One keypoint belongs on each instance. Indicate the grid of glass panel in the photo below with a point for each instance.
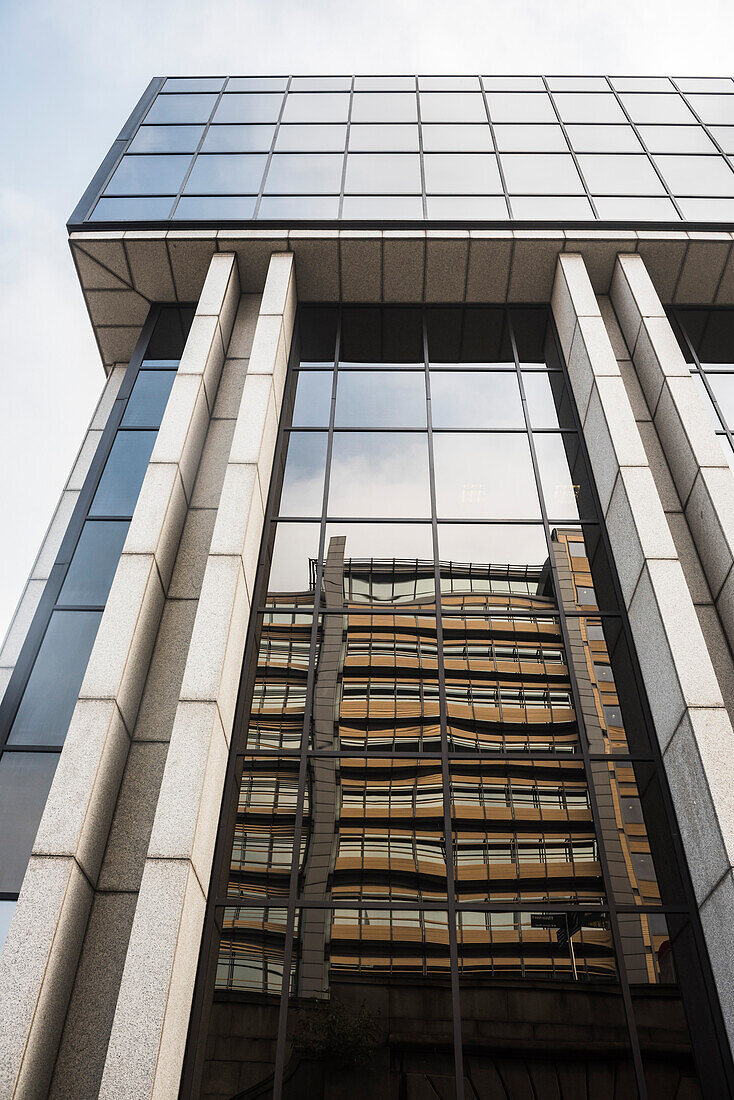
(38, 705)
(706, 337)
(444, 784)
(474, 148)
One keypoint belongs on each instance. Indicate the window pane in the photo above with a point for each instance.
(220, 174)
(453, 107)
(603, 139)
(378, 137)
(313, 399)
(475, 399)
(589, 108)
(25, 780)
(560, 488)
(296, 545)
(638, 208)
(123, 474)
(380, 399)
(303, 481)
(620, 175)
(131, 210)
(317, 107)
(302, 173)
(238, 139)
(543, 403)
(474, 207)
(299, 206)
(248, 108)
(166, 139)
(299, 139)
(257, 84)
(384, 107)
(677, 139)
(382, 543)
(93, 564)
(154, 175)
(211, 207)
(321, 83)
(384, 83)
(492, 543)
(484, 476)
(723, 387)
(379, 474)
(694, 175)
(514, 83)
(520, 107)
(531, 138)
(725, 137)
(555, 209)
(181, 108)
(386, 173)
(375, 207)
(718, 109)
(53, 686)
(7, 908)
(148, 399)
(448, 83)
(381, 336)
(449, 139)
(653, 107)
(193, 84)
(553, 174)
(462, 173)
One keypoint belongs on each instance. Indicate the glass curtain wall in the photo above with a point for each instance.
(42, 693)
(450, 867)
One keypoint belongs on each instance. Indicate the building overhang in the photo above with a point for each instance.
(122, 272)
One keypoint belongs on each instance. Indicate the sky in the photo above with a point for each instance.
(70, 73)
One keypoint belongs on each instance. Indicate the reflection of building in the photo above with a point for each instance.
(414, 830)
(374, 827)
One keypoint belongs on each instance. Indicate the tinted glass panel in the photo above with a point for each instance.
(53, 686)
(475, 400)
(389, 471)
(123, 474)
(217, 173)
(148, 400)
(248, 108)
(301, 173)
(313, 399)
(484, 476)
(181, 108)
(303, 483)
(238, 139)
(25, 780)
(166, 139)
(380, 399)
(144, 175)
(94, 563)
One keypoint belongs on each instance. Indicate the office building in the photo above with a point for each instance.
(367, 716)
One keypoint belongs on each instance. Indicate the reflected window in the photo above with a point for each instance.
(487, 476)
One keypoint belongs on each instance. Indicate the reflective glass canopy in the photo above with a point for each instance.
(405, 148)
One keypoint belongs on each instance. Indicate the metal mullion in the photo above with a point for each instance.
(276, 131)
(345, 151)
(699, 120)
(424, 199)
(650, 157)
(571, 149)
(445, 769)
(500, 166)
(583, 744)
(704, 377)
(280, 1050)
(198, 148)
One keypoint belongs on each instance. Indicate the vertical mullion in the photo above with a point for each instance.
(346, 151)
(500, 167)
(280, 1049)
(704, 377)
(279, 119)
(571, 149)
(424, 200)
(202, 139)
(643, 143)
(445, 768)
(583, 741)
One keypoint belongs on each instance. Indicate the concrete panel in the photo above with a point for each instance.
(361, 266)
(150, 267)
(447, 256)
(204, 354)
(159, 517)
(403, 259)
(243, 330)
(165, 674)
(229, 393)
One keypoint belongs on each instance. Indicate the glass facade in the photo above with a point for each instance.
(706, 338)
(619, 149)
(43, 691)
(448, 864)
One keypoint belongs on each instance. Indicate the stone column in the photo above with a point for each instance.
(694, 455)
(39, 963)
(148, 1037)
(691, 722)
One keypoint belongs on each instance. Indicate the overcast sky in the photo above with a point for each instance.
(71, 71)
